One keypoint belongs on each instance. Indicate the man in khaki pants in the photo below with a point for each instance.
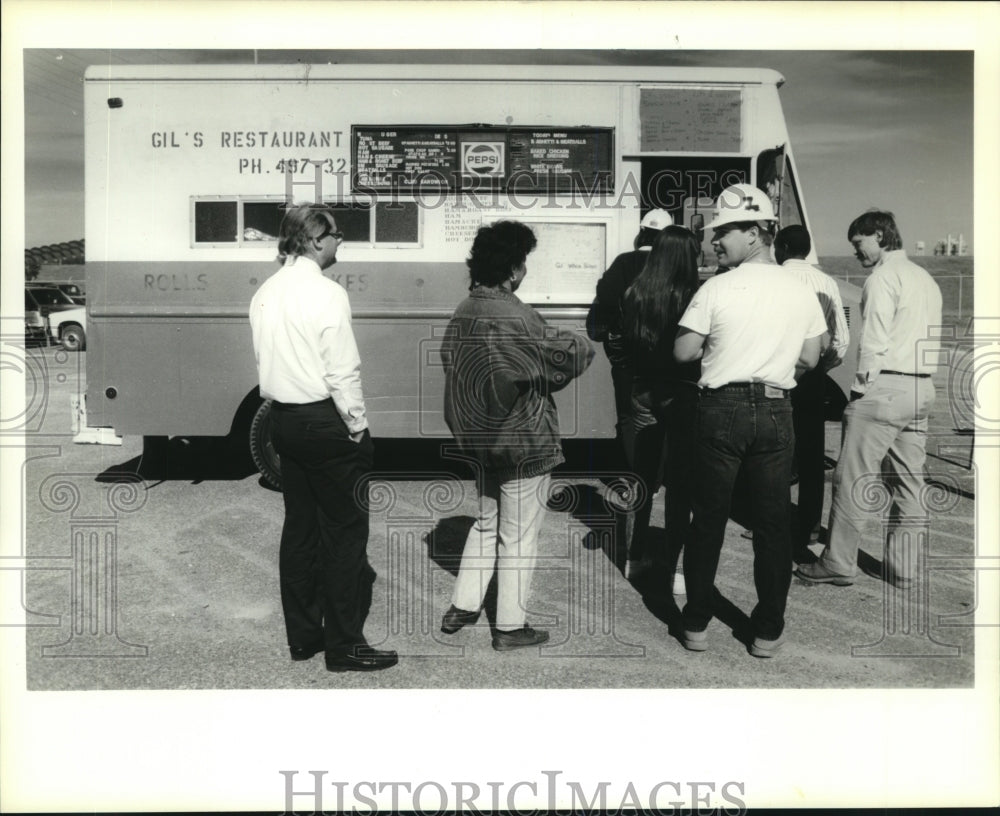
(885, 424)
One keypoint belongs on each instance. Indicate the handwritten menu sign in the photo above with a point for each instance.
(690, 119)
(410, 158)
(566, 264)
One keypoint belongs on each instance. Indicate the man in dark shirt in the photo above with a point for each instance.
(604, 320)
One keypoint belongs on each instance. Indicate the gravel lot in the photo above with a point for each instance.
(166, 578)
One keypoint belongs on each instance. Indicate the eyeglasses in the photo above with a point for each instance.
(338, 234)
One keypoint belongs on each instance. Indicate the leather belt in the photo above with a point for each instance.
(904, 374)
(758, 388)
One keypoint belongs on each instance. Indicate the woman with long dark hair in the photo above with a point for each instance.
(664, 396)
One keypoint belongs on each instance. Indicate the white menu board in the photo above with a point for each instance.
(566, 264)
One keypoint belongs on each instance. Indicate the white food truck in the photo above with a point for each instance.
(189, 169)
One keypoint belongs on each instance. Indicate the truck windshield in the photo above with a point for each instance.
(51, 297)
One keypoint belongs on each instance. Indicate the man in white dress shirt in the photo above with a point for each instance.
(885, 424)
(308, 364)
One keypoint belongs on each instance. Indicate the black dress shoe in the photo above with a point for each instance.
(364, 658)
(305, 652)
(455, 618)
(518, 638)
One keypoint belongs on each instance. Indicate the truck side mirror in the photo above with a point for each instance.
(698, 226)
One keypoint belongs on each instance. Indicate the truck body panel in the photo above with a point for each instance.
(188, 167)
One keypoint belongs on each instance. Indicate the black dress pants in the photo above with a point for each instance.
(326, 581)
(810, 449)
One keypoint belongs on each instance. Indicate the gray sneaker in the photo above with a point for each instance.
(518, 638)
(766, 648)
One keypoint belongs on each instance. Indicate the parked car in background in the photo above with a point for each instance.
(69, 327)
(50, 298)
(66, 321)
(74, 291)
(35, 330)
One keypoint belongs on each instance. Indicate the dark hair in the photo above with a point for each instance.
(498, 250)
(660, 293)
(792, 241)
(300, 225)
(873, 221)
(646, 237)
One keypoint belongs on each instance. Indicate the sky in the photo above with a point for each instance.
(890, 128)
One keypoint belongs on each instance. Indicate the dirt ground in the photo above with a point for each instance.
(164, 576)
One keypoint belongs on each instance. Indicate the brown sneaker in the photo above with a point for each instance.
(518, 638)
(819, 574)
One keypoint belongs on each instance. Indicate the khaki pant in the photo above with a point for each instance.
(503, 539)
(881, 466)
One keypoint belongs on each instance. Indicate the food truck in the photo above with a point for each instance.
(189, 169)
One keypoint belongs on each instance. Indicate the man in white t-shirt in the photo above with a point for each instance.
(752, 328)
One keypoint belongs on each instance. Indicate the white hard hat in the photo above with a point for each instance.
(656, 220)
(741, 202)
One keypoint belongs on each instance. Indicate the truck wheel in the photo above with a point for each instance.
(73, 338)
(262, 449)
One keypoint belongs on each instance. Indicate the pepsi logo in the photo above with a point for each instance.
(483, 158)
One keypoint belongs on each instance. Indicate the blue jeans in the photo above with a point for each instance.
(739, 426)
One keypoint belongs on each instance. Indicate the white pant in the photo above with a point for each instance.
(881, 465)
(504, 537)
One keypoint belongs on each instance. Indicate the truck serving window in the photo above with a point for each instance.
(232, 222)
(215, 222)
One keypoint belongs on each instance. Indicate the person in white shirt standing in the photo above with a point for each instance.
(308, 364)
(885, 424)
(752, 328)
(792, 246)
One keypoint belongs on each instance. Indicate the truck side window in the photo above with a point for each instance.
(262, 220)
(354, 220)
(215, 222)
(397, 222)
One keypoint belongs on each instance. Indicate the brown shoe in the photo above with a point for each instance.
(455, 618)
(818, 574)
(518, 638)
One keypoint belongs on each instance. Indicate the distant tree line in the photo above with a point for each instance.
(68, 252)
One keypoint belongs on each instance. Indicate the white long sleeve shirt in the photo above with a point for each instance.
(900, 311)
(828, 292)
(303, 341)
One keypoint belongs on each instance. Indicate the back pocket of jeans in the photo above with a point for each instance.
(715, 422)
(781, 419)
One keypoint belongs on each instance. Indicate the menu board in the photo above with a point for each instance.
(562, 157)
(702, 120)
(414, 158)
(566, 264)
(389, 158)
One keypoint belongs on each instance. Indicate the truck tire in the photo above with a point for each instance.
(73, 338)
(262, 449)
